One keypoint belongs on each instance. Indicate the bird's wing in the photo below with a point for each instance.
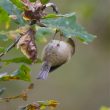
(71, 42)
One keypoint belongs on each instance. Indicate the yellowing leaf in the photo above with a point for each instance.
(49, 103)
(40, 105)
(105, 108)
(23, 73)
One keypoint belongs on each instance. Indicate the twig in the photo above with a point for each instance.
(13, 44)
(56, 31)
(10, 46)
(23, 95)
(55, 9)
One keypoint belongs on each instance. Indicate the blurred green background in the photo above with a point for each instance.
(84, 82)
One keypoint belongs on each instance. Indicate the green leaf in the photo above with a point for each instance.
(23, 73)
(17, 60)
(4, 19)
(52, 16)
(18, 3)
(44, 1)
(2, 49)
(32, 0)
(11, 9)
(42, 33)
(20, 60)
(68, 26)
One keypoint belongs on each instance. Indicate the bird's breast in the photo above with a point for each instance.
(56, 52)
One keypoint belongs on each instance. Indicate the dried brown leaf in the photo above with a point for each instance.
(27, 45)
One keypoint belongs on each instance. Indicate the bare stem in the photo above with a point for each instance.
(10, 46)
(55, 9)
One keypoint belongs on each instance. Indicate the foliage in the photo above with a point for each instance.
(68, 27)
(65, 24)
(19, 60)
(23, 73)
(104, 108)
(44, 1)
(40, 105)
(35, 25)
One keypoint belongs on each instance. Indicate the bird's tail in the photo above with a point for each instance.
(43, 74)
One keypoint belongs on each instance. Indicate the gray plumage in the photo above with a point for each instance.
(55, 54)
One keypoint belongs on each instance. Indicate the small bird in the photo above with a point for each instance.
(55, 54)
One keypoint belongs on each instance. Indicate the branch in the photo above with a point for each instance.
(10, 46)
(55, 9)
(23, 95)
(13, 44)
